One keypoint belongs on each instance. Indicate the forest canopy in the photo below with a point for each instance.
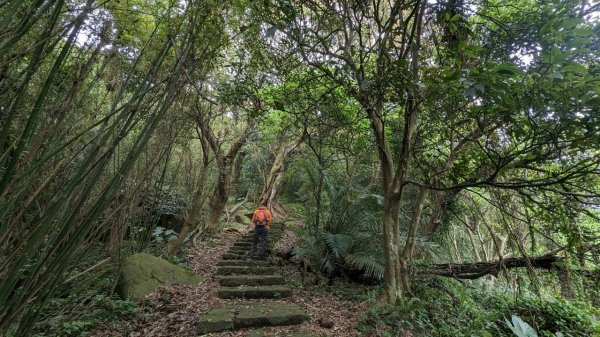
(413, 138)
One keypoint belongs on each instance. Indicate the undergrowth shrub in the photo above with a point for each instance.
(443, 307)
(79, 312)
(350, 239)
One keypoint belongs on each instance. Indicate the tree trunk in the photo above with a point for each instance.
(273, 181)
(392, 286)
(237, 172)
(564, 279)
(435, 220)
(219, 196)
(225, 166)
(272, 188)
(319, 193)
(190, 216)
(473, 245)
(409, 246)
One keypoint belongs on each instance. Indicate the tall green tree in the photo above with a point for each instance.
(453, 107)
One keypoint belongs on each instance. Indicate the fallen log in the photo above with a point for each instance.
(479, 269)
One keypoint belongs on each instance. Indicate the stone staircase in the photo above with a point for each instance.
(242, 278)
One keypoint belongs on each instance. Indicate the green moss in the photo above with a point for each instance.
(266, 315)
(216, 320)
(143, 273)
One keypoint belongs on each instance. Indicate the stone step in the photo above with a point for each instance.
(244, 250)
(250, 239)
(273, 291)
(243, 244)
(262, 333)
(245, 270)
(229, 256)
(238, 250)
(251, 280)
(270, 315)
(255, 316)
(247, 263)
(239, 255)
(248, 246)
(216, 320)
(272, 231)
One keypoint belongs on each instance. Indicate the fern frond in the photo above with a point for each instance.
(338, 244)
(371, 264)
(427, 248)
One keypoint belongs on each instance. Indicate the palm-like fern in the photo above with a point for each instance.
(351, 237)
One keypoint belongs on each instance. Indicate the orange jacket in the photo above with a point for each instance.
(254, 220)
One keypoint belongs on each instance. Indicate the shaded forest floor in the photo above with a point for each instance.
(175, 311)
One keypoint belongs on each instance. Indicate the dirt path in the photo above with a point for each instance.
(175, 311)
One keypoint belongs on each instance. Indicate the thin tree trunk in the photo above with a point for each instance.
(473, 245)
(484, 249)
(564, 279)
(218, 200)
(272, 187)
(273, 180)
(409, 247)
(437, 202)
(237, 171)
(191, 215)
(319, 198)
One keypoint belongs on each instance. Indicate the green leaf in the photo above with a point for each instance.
(507, 69)
(556, 75)
(520, 328)
(575, 68)
(571, 23)
(456, 17)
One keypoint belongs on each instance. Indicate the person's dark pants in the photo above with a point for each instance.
(259, 238)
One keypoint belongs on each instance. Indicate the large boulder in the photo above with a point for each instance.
(143, 273)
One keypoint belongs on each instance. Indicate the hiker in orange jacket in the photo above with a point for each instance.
(262, 219)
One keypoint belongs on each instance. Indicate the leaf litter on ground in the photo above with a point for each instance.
(175, 310)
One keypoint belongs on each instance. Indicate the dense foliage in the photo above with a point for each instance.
(404, 133)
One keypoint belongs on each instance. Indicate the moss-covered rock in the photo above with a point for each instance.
(243, 216)
(143, 273)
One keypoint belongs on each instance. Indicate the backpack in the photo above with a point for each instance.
(261, 217)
